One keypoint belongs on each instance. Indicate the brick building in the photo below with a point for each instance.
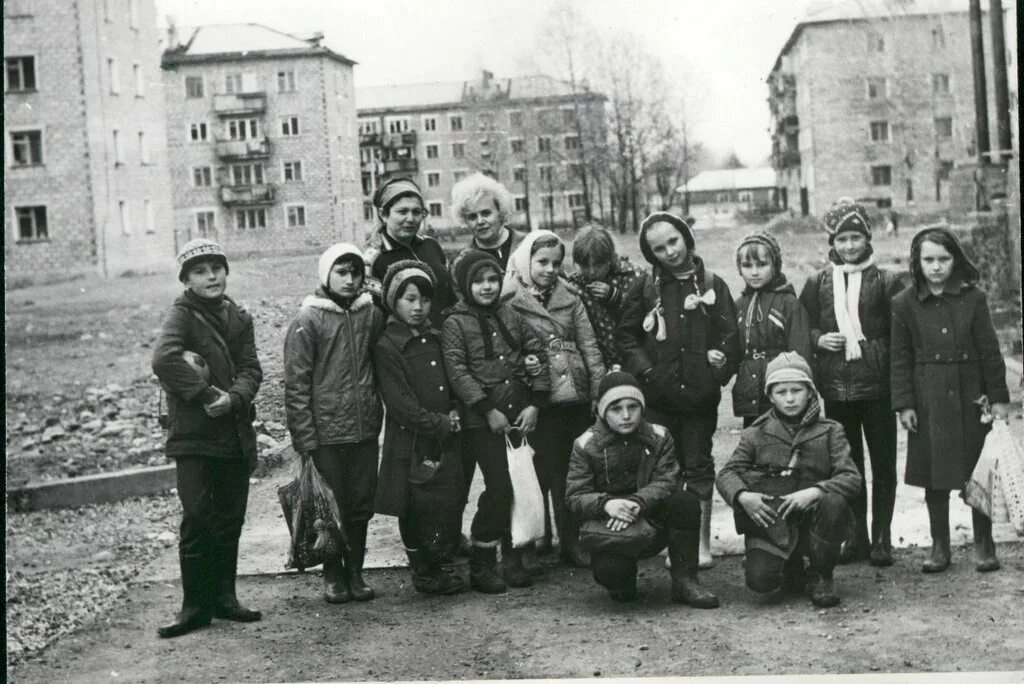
(86, 180)
(524, 131)
(262, 139)
(874, 103)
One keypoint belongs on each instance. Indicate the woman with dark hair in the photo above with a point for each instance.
(400, 213)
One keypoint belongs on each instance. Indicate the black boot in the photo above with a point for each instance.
(794, 574)
(335, 581)
(617, 574)
(569, 548)
(938, 521)
(881, 549)
(483, 570)
(984, 545)
(820, 587)
(530, 560)
(225, 603)
(196, 610)
(354, 560)
(859, 547)
(683, 550)
(515, 573)
(428, 577)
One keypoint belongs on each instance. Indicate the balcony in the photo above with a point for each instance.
(232, 195)
(369, 139)
(236, 104)
(400, 166)
(407, 139)
(783, 159)
(254, 148)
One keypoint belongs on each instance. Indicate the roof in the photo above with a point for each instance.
(829, 11)
(235, 41)
(730, 179)
(438, 93)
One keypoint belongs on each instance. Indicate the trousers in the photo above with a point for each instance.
(351, 472)
(214, 493)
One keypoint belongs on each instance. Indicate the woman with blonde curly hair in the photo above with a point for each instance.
(484, 206)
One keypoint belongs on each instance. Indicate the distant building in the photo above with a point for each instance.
(86, 185)
(874, 100)
(524, 131)
(716, 198)
(262, 139)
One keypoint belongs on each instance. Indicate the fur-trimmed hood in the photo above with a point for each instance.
(319, 300)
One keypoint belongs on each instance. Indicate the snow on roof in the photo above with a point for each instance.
(452, 92)
(230, 39)
(730, 179)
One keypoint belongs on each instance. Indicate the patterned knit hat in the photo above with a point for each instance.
(765, 238)
(846, 214)
(198, 250)
(787, 367)
(400, 272)
(617, 384)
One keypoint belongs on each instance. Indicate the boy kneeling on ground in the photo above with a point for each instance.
(624, 473)
(790, 483)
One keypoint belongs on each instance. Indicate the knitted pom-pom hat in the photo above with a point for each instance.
(617, 384)
(787, 367)
(769, 241)
(200, 249)
(844, 215)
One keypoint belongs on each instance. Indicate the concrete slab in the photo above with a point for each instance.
(91, 489)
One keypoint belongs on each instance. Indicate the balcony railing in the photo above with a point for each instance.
(406, 139)
(367, 139)
(401, 166)
(254, 148)
(246, 194)
(234, 104)
(786, 158)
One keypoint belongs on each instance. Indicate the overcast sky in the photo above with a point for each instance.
(729, 45)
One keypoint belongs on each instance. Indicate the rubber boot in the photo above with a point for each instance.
(569, 549)
(335, 582)
(881, 549)
(354, 561)
(883, 503)
(704, 551)
(683, 548)
(224, 561)
(984, 545)
(512, 566)
(429, 578)
(820, 586)
(530, 560)
(196, 611)
(483, 570)
(938, 521)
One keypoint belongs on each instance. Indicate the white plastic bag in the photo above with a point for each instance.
(996, 487)
(527, 500)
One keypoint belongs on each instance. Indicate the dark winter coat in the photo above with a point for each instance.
(771, 320)
(598, 469)
(501, 253)
(683, 379)
(413, 384)
(234, 368)
(574, 359)
(481, 384)
(330, 393)
(945, 354)
(605, 314)
(423, 249)
(867, 377)
(823, 458)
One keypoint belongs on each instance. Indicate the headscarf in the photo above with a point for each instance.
(965, 273)
(469, 264)
(518, 274)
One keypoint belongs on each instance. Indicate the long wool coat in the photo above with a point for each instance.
(945, 354)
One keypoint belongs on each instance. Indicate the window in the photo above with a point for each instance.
(367, 127)
(545, 173)
(398, 125)
(20, 73)
(519, 173)
(485, 148)
(193, 86)
(295, 214)
(143, 148)
(543, 144)
(517, 145)
(202, 177)
(133, 14)
(574, 199)
(140, 81)
(289, 125)
(877, 87)
(520, 203)
(113, 77)
(118, 148)
(485, 121)
(944, 127)
(367, 211)
(147, 207)
(879, 131)
(242, 129)
(432, 151)
(435, 209)
(515, 119)
(292, 171)
(433, 179)
(233, 83)
(197, 132)
(455, 123)
(568, 117)
(574, 170)
(26, 148)
(881, 175)
(938, 39)
(940, 84)
(458, 150)
(31, 223)
(572, 142)
(251, 218)
(247, 174)
(206, 223)
(286, 81)
(126, 217)
(876, 43)
(430, 123)
(547, 202)
(458, 175)
(884, 202)
(945, 168)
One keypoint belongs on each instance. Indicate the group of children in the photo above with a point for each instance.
(455, 359)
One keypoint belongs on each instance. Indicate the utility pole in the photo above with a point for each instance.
(980, 87)
(1001, 87)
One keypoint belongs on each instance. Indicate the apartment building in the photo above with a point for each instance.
(86, 185)
(531, 133)
(262, 139)
(875, 101)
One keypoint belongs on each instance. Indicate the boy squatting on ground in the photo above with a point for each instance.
(210, 436)
(790, 483)
(623, 469)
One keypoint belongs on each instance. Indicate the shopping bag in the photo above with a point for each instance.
(1009, 504)
(527, 500)
(435, 500)
(314, 522)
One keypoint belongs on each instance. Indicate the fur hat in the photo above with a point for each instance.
(400, 272)
(335, 253)
(787, 367)
(617, 384)
(468, 265)
(765, 238)
(844, 215)
(663, 216)
(198, 250)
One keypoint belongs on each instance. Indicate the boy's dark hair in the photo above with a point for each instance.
(593, 245)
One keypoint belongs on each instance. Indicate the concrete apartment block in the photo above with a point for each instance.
(86, 180)
(262, 138)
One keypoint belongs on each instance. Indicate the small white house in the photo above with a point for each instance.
(716, 197)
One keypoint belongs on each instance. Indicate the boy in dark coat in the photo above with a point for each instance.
(789, 483)
(332, 407)
(211, 437)
(623, 469)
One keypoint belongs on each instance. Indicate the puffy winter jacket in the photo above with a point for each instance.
(598, 470)
(330, 392)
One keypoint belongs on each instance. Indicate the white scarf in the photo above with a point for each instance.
(845, 302)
